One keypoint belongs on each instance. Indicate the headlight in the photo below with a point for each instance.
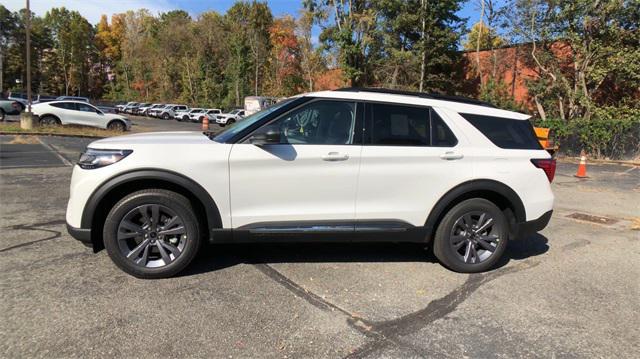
(93, 158)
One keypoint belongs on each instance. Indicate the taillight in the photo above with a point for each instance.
(548, 165)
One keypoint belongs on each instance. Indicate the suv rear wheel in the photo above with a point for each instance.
(152, 233)
(472, 236)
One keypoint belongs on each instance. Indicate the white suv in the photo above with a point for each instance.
(190, 114)
(230, 118)
(351, 164)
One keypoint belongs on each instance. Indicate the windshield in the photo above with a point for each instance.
(238, 127)
(235, 111)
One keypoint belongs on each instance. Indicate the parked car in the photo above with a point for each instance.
(170, 111)
(72, 98)
(352, 165)
(189, 115)
(253, 104)
(138, 109)
(9, 107)
(230, 118)
(130, 107)
(121, 107)
(45, 98)
(144, 110)
(210, 113)
(20, 98)
(153, 112)
(78, 113)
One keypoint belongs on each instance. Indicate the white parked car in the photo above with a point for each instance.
(230, 118)
(169, 111)
(144, 110)
(210, 113)
(352, 165)
(72, 98)
(120, 108)
(78, 113)
(130, 107)
(189, 115)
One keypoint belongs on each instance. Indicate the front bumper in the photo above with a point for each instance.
(81, 234)
(536, 225)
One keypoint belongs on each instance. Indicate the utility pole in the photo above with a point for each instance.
(28, 31)
(26, 119)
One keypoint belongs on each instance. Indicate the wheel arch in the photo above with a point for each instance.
(50, 115)
(116, 120)
(112, 190)
(497, 192)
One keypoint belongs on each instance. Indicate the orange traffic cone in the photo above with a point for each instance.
(582, 168)
(205, 123)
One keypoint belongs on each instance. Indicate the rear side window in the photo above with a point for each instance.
(505, 132)
(399, 125)
(64, 105)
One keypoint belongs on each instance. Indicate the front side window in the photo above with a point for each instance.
(400, 125)
(85, 108)
(318, 123)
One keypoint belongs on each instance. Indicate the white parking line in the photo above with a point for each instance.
(55, 151)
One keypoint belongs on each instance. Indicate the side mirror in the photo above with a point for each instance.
(271, 137)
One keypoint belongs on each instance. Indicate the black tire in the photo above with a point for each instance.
(471, 254)
(185, 118)
(2, 114)
(231, 122)
(117, 126)
(49, 120)
(168, 200)
(165, 116)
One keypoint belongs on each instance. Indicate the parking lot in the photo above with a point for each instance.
(570, 291)
(147, 124)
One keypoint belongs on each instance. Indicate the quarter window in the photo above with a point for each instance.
(317, 123)
(505, 132)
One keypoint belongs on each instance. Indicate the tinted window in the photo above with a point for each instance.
(399, 125)
(505, 132)
(84, 107)
(441, 135)
(64, 105)
(318, 123)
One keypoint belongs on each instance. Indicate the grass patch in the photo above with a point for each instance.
(59, 130)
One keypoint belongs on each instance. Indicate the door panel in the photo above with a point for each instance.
(407, 164)
(311, 175)
(292, 183)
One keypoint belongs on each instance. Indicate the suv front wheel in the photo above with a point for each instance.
(472, 236)
(152, 233)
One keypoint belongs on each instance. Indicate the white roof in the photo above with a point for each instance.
(415, 100)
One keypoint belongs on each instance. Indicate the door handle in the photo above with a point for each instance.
(450, 155)
(335, 156)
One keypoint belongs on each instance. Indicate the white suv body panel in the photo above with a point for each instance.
(250, 185)
(207, 165)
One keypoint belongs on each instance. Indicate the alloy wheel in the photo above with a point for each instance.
(152, 236)
(475, 237)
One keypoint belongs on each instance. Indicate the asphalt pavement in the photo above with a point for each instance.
(570, 291)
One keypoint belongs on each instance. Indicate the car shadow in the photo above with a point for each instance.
(215, 257)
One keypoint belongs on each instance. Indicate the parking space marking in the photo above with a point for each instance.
(55, 152)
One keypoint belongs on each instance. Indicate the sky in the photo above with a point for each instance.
(93, 9)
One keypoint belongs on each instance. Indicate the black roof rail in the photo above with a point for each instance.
(432, 96)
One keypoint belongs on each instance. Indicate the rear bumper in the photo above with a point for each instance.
(536, 225)
(81, 234)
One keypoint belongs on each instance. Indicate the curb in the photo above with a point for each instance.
(8, 133)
